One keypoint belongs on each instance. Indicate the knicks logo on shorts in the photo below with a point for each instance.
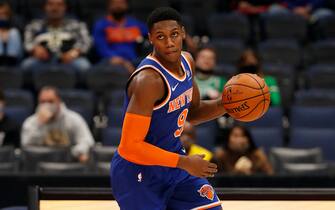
(207, 191)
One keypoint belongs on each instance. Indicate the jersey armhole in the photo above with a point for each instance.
(161, 102)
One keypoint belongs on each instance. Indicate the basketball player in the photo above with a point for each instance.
(150, 170)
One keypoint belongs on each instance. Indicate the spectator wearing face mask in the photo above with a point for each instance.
(240, 155)
(249, 62)
(10, 40)
(210, 85)
(55, 125)
(117, 35)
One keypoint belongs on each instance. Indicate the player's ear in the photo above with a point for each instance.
(150, 38)
(183, 32)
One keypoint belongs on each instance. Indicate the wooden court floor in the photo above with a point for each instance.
(227, 205)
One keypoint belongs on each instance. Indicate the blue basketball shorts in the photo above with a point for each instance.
(137, 187)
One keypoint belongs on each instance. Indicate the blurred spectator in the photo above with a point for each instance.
(55, 125)
(249, 62)
(10, 38)
(309, 9)
(240, 155)
(117, 35)
(57, 39)
(210, 85)
(253, 7)
(9, 131)
(188, 139)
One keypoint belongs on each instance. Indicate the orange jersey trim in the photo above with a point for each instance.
(134, 148)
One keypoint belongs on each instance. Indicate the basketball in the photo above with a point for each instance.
(246, 97)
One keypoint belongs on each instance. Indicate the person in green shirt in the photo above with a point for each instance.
(210, 85)
(249, 62)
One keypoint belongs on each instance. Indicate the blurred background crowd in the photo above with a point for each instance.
(64, 65)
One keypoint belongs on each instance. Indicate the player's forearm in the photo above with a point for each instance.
(206, 110)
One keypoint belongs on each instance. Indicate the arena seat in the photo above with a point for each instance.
(316, 169)
(54, 75)
(228, 51)
(268, 137)
(19, 98)
(315, 97)
(115, 116)
(111, 136)
(272, 118)
(280, 52)
(314, 137)
(279, 156)
(312, 117)
(32, 155)
(228, 26)
(10, 78)
(323, 52)
(284, 26)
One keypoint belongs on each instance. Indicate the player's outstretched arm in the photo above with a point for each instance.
(203, 110)
(144, 90)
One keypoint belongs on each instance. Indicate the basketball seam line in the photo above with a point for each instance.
(262, 92)
(246, 98)
(238, 84)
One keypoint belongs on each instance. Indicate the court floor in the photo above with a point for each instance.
(227, 205)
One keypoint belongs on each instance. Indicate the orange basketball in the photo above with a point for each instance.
(246, 97)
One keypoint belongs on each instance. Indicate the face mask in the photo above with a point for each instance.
(4, 23)
(118, 15)
(253, 69)
(51, 107)
(205, 72)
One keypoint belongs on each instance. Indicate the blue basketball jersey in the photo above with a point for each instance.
(168, 117)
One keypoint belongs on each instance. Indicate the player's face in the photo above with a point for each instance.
(167, 38)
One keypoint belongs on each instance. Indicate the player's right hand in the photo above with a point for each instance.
(197, 166)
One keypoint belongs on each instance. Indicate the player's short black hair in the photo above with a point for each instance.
(161, 14)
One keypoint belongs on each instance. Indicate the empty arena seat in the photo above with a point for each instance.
(323, 52)
(10, 78)
(278, 69)
(17, 114)
(103, 153)
(315, 97)
(267, 138)
(111, 136)
(280, 52)
(228, 26)
(321, 76)
(325, 27)
(115, 116)
(284, 26)
(81, 101)
(272, 118)
(19, 98)
(312, 117)
(32, 155)
(105, 79)
(228, 52)
(314, 137)
(6, 154)
(306, 168)
(115, 98)
(59, 76)
(61, 168)
(206, 134)
(279, 156)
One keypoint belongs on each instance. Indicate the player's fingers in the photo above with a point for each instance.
(212, 170)
(212, 165)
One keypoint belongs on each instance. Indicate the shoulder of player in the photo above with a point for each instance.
(189, 58)
(147, 80)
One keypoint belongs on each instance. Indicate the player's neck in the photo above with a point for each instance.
(173, 67)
